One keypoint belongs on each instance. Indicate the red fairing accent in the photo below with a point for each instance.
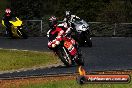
(73, 52)
(57, 30)
(59, 39)
(67, 39)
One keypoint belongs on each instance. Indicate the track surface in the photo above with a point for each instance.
(106, 54)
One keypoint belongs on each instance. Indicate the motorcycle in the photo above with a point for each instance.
(67, 52)
(81, 32)
(17, 28)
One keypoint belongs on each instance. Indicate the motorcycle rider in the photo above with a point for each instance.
(6, 18)
(69, 19)
(55, 33)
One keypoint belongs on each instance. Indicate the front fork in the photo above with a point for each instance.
(78, 55)
(68, 59)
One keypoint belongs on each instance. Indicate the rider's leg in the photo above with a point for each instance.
(8, 29)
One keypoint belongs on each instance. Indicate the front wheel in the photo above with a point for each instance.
(22, 33)
(64, 56)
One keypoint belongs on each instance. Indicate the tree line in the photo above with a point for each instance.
(91, 10)
(111, 11)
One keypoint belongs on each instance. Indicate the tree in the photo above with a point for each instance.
(27, 9)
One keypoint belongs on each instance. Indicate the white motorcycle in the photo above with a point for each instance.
(82, 32)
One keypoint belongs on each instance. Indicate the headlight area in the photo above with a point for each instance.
(20, 27)
(84, 27)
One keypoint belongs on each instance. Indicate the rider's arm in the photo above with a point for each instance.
(48, 33)
(65, 19)
(60, 35)
(52, 44)
(68, 31)
(77, 17)
(74, 17)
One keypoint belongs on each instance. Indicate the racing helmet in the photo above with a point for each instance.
(8, 11)
(68, 14)
(53, 22)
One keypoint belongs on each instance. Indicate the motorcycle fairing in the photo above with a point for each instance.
(16, 23)
(70, 47)
(67, 44)
(81, 25)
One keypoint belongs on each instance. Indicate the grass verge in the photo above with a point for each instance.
(73, 84)
(17, 59)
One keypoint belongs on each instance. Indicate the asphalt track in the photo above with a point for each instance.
(107, 53)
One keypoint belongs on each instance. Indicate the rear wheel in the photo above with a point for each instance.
(88, 40)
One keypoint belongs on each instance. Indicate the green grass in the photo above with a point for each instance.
(14, 59)
(73, 84)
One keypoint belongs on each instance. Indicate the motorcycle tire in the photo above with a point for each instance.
(22, 33)
(62, 55)
(88, 40)
(89, 43)
(79, 60)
